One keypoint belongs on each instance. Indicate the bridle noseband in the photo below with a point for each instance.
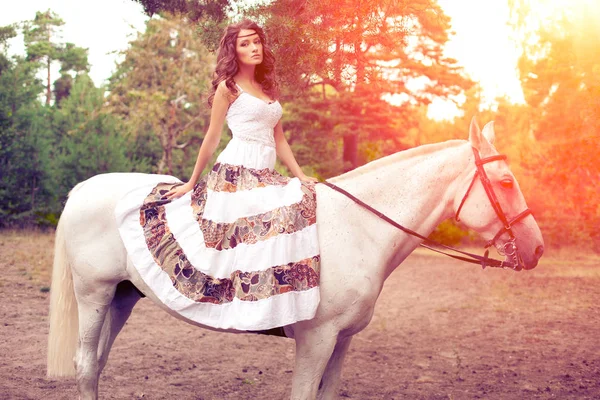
(509, 248)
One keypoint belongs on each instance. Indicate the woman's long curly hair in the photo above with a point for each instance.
(227, 64)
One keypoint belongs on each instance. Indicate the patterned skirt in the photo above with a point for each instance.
(238, 252)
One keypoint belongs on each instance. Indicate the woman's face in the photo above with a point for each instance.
(249, 48)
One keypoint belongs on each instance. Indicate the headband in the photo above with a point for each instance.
(247, 35)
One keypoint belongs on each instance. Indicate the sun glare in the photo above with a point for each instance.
(483, 43)
(549, 9)
(559, 5)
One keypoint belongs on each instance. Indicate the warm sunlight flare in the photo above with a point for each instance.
(482, 45)
(542, 13)
(546, 8)
(486, 46)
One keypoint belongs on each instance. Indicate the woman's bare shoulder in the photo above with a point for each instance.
(223, 90)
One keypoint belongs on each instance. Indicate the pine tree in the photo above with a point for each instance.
(91, 142)
(42, 46)
(366, 51)
(25, 143)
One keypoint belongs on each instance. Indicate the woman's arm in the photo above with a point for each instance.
(284, 152)
(210, 142)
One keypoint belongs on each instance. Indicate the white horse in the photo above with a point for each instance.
(418, 188)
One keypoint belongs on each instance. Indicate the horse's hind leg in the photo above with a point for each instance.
(93, 302)
(125, 299)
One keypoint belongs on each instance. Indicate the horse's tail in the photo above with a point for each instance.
(64, 320)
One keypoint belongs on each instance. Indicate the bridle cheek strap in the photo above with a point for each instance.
(462, 202)
(489, 190)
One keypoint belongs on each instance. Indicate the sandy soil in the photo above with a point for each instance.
(441, 330)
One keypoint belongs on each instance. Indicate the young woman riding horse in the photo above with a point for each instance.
(98, 248)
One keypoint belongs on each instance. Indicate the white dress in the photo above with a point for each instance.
(241, 250)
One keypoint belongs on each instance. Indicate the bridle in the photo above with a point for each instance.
(509, 248)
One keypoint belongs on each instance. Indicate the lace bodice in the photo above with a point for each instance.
(252, 119)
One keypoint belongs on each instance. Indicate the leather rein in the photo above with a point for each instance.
(509, 249)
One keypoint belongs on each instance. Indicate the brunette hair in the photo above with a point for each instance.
(227, 65)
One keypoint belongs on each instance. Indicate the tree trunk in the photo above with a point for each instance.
(161, 164)
(33, 189)
(170, 143)
(350, 152)
(48, 89)
(163, 160)
(337, 62)
(169, 154)
(350, 157)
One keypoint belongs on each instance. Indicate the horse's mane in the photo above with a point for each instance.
(398, 157)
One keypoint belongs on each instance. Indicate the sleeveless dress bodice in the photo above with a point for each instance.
(252, 122)
(253, 119)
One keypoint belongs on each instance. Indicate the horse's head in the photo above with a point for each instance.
(490, 202)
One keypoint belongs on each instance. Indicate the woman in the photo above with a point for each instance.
(245, 65)
(238, 248)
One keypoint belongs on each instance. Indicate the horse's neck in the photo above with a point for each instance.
(415, 188)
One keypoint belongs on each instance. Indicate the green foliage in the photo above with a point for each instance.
(25, 163)
(46, 219)
(25, 143)
(6, 33)
(45, 150)
(559, 74)
(62, 88)
(90, 142)
(39, 34)
(73, 58)
(309, 126)
(360, 49)
(43, 49)
(215, 10)
(161, 87)
(450, 234)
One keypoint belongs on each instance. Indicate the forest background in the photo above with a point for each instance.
(339, 65)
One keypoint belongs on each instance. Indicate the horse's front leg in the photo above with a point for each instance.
(314, 346)
(330, 381)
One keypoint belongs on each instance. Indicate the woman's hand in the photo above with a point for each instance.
(179, 191)
(305, 178)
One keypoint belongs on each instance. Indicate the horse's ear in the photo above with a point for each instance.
(475, 134)
(482, 141)
(488, 132)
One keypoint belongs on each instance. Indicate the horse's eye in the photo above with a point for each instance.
(506, 183)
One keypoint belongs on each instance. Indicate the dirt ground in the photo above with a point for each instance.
(441, 330)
